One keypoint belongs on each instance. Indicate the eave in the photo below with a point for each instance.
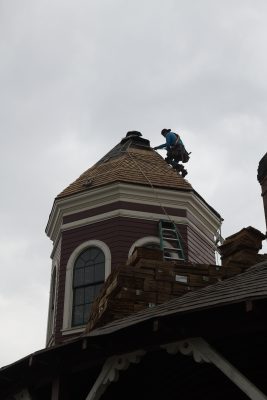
(143, 194)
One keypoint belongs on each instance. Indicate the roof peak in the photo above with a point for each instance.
(135, 138)
(132, 139)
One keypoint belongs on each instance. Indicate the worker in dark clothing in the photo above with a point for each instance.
(176, 151)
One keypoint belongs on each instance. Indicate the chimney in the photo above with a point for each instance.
(241, 249)
(262, 178)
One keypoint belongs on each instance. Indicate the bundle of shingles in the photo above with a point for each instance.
(146, 280)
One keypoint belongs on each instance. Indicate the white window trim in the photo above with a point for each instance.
(142, 241)
(68, 298)
(51, 318)
(147, 240)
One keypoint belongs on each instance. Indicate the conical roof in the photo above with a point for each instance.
(131, 161)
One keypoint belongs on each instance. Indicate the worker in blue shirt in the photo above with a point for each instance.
(176, 151)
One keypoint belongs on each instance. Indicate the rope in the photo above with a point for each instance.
(193, 253)
(151, 184)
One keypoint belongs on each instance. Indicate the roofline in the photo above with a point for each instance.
(93, 335)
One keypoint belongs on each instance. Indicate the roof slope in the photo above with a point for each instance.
(250, 285)
(131, 161)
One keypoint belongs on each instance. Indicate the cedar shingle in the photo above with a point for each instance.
(250, 285)
(137, 165)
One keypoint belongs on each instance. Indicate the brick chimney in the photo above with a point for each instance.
(262, 178)
(241, 249)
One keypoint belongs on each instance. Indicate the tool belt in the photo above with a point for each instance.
(179, 153)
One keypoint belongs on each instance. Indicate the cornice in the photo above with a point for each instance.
(177, 199)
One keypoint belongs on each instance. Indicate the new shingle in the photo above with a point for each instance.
(250, 285)
(131, 161)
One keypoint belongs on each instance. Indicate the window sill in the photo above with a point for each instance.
(71, 331)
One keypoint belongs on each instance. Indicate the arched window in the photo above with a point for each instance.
(88, 278)
(70, 323)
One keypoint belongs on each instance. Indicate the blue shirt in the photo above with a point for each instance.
(170, 141)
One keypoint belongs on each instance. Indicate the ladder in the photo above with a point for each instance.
(168, 232)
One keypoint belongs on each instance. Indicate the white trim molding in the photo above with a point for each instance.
(52, 307)
(142, 242)
(188, 200)
(68, 297)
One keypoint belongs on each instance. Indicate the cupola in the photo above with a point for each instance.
(131, 198)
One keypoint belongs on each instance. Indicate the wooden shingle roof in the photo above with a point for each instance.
(131, 161)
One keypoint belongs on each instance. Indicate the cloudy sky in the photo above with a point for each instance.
(75, 76)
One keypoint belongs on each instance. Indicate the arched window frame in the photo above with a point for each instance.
(52, 303)
(68, 297)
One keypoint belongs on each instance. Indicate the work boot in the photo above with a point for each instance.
(168, 160)
(178, 167)
(184, 173)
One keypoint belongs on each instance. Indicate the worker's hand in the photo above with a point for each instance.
(155, 148)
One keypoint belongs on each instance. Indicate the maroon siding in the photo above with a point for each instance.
(119, 233)
(199, 249)
(123, 205)
(198, 224)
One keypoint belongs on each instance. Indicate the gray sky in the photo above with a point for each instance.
(75, 76)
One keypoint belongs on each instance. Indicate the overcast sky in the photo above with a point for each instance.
(76, 75)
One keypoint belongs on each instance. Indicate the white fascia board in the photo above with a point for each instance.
(105, 195)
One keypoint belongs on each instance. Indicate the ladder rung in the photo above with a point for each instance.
(168, 232)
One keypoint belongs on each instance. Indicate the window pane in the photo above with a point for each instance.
(86, 255)
(88, 275)
(87, 311)
(78, 315)
(100, 258)
(94, 253)
(79, 263)
(100, 272)
(79, 296)
(97, 289)
(89, 268)
(78, 279)
(89, 294)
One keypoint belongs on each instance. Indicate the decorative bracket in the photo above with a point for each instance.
(201, 351)
(111, 371)
(187, 348)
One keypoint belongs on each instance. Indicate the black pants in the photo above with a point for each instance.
(176, 153)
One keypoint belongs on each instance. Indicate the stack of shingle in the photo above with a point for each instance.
(146, 280)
